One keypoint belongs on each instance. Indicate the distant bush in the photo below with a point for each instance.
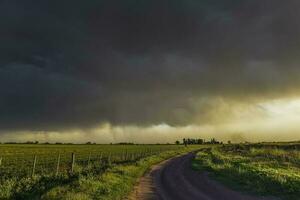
(125, 143)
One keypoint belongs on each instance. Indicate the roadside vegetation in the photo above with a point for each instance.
(32, 171)
(263, 169)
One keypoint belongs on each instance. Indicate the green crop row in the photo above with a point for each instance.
(90, 178)
(28, 160)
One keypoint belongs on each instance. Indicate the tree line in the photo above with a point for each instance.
(192, 141)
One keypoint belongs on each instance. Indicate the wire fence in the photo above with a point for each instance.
(65, 162)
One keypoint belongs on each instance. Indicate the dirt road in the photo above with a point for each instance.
(175, 180)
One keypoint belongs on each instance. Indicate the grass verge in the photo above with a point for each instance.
(262, 171)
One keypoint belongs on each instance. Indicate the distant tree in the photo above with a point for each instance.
(177, 142)
(184, 142)
(200, 141)
(125, 143)
(214, 141)
(229, 142)
(31, 142)
(88, 143)
(192, 141)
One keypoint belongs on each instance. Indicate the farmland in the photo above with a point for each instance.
(264, 169)
(18, 159)
(34, 171)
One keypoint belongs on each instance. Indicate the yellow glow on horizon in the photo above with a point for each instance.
(273, 120)
(287, 108)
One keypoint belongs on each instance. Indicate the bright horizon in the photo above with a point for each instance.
(276, 120)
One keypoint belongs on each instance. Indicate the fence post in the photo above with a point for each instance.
(100, 158)
(73, 162)
(109, 159)
(57, 165)
(33, 166)
(126, 155)
(123, 156)
(0, 161)
(89, 159)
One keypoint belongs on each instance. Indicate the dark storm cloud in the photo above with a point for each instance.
(75, 64)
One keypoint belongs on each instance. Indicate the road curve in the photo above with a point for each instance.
(175, 180)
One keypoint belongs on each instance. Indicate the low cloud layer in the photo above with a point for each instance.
(275, 120)
(74, 65)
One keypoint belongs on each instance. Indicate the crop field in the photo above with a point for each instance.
(265, 169)
(21, 160)
(27, 171)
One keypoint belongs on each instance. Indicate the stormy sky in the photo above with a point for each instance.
(70, 67)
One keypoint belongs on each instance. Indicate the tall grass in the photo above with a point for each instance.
(260, 170)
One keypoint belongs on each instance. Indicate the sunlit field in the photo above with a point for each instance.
(18, 160)
(30, 171)
(265, 169)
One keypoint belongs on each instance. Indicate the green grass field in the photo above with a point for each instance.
(17, 159)
(99, 171)
(264, 169)
(110, 171)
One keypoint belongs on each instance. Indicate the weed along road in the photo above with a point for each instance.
(175, 180)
